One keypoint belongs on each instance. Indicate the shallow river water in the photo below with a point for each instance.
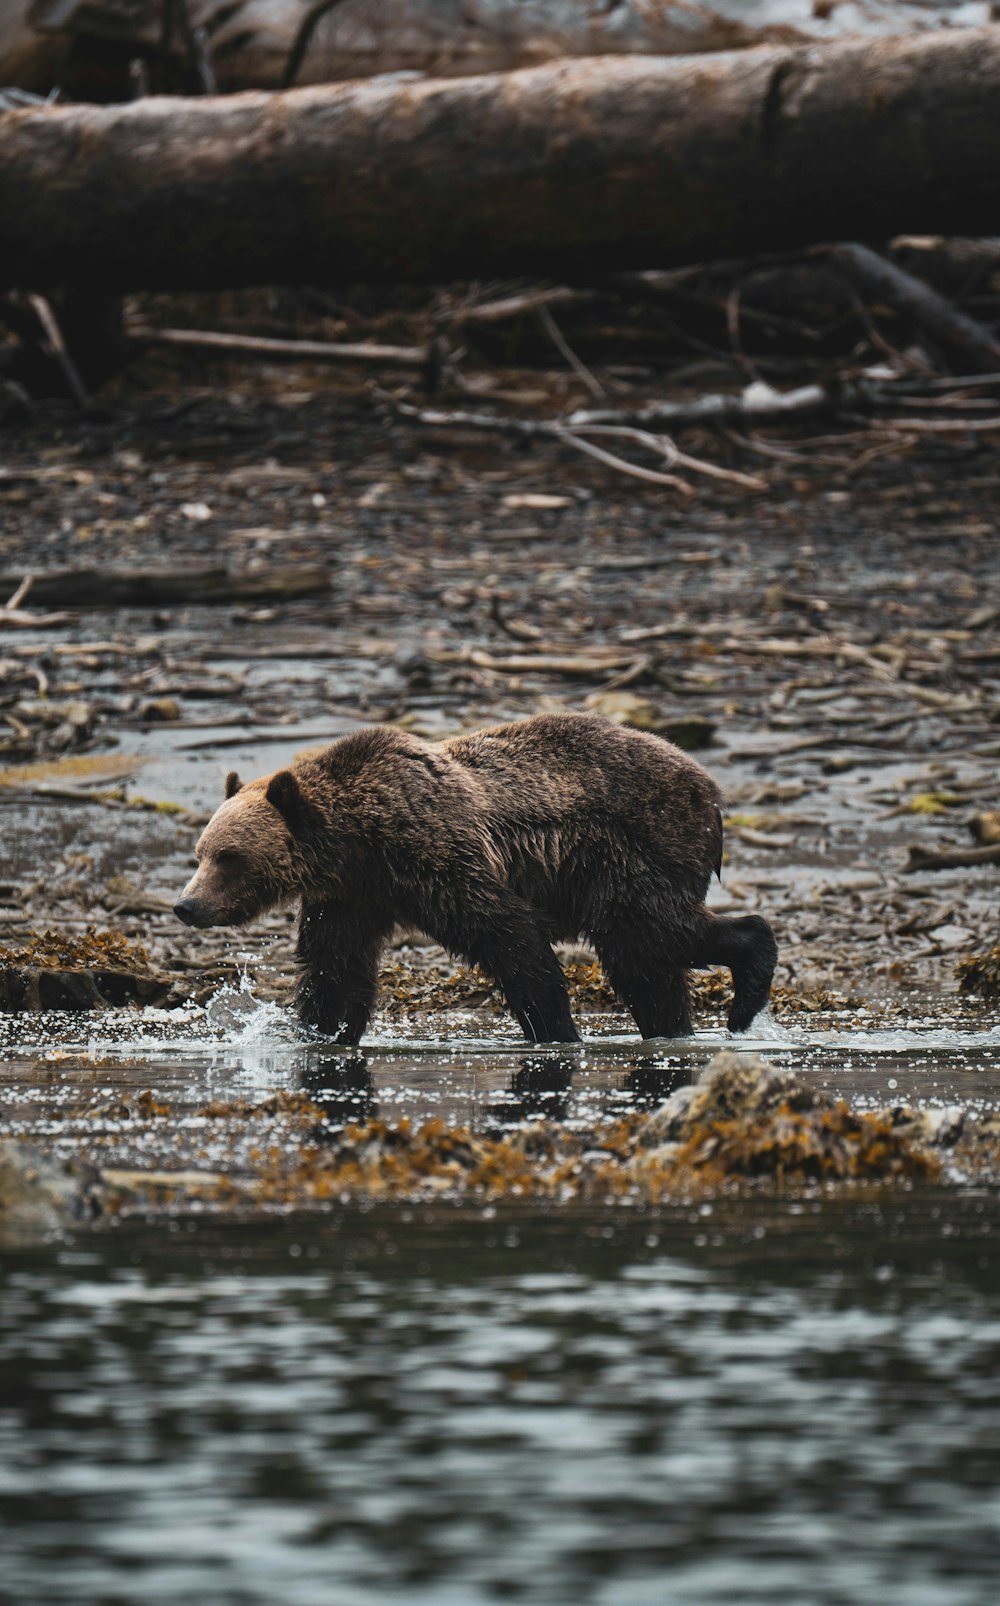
(745, 1401)
(741, 1401)
(242, 1049)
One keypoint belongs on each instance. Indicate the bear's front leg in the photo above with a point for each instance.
(339, 951)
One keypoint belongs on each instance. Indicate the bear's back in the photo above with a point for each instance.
(585, 787)
(581, 756)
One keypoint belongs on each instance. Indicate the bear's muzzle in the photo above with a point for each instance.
(192, 912)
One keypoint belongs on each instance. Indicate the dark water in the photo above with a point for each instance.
(759, 1401)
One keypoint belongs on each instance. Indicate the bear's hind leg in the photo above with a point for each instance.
(534, 986)
(653, 988)
(746, 946)
(508, 944)
(339, 954)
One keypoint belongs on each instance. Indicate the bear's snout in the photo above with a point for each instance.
(191, 912)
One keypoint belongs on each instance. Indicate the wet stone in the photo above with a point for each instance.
(26, 988)
(39, 1195)
(159, 710)
(96, 971)
(689, 731)
(733, 1086)
(744, 1119)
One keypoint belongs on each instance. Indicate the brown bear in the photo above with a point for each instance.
(496, 845)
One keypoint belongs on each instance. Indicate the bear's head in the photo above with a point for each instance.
(248, 855)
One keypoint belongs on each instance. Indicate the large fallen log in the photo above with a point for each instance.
(567, 170)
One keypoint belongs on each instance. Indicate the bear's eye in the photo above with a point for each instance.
(229, 856)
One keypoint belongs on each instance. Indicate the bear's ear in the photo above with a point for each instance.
(284, 795)
(233, 783)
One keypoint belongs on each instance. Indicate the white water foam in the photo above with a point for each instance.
(765, 1030)
(241, 1019)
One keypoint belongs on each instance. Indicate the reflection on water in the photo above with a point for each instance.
(342, 1086)
(743, 1403)
(540, 1089)
(541, 1086)
(482, 1082)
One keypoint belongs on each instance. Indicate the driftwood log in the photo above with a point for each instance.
(268, 44)
(567, 170)
(154, 588)
(920, 858)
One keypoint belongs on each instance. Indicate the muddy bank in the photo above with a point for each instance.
(827, 644)
(831, 638)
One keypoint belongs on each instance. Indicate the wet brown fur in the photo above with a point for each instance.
(495, 844)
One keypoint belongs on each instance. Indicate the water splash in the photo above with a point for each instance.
(765, 1029)
(238, 1015)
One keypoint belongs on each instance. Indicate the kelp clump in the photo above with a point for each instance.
(820, 1145)
(403, 1161)
(980, 974)
(404, 989)
(747, 1119)
(744, 1120)
(53, 950)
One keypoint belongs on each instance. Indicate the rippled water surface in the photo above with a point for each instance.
(751, 1401)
